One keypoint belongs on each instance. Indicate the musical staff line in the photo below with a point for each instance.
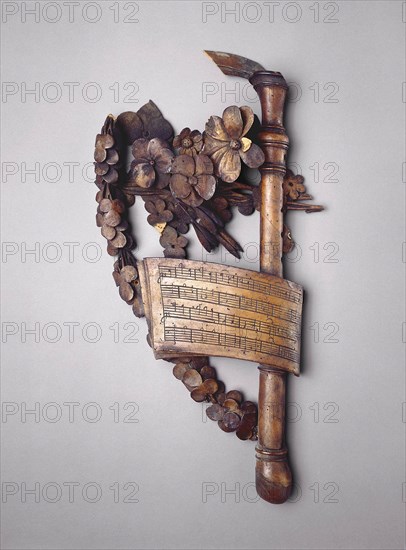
(203, 314)
(245, 344)
(229, 300)
(202, 274)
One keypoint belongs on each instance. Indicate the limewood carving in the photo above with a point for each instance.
(196, 310)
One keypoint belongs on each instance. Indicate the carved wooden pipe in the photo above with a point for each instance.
(273, 475)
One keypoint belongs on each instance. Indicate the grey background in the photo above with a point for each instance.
(346, 424)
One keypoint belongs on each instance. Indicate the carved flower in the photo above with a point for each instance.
(106, 155)
(188, 143)
(192, 179)
(226, 145)
(152, 163)
(158, 212)
(124, 279)
(293, 185)
(147, 122)
(181, 219)
(174, 245)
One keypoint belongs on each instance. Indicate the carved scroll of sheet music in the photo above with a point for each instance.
(201, 308)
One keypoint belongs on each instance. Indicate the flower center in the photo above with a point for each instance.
(193, 180)
(187, 142)
(235, 144)
(152, 162)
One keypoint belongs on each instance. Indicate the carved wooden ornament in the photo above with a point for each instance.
(194, 309)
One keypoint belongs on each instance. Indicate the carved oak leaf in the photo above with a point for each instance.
(147, 122)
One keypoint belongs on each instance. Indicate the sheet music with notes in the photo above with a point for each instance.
(202, 308)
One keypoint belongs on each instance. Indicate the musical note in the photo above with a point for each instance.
(226, 279)
(209, 309)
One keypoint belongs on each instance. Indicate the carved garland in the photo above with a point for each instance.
(192, 179)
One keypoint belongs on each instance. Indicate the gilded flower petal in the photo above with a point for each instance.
(143, 175)
(216, 158)
(247, 118)
(203, 165)
(254, 157)
(233, 122)
(183, 164)
(179, 186)
(245, 144)
(212, 145)
(206, 186)
(140, 149)
(216, 129)
(229, 167)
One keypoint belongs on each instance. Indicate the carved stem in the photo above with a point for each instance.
(273, 475)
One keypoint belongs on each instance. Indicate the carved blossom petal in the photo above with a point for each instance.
(203, 165)
(140, 149)
(229, 167)
(216, 129)
(233, 122)
(206, 186)
(155, 146)
(163, 160)
(248, 119)
(212, 145)
(143, 175)
(183, 164)
(254, 157)
(179, 186)
(193, 199)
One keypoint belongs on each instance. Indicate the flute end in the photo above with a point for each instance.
(273, 480)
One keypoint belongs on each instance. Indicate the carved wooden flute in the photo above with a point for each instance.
(273, 475)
